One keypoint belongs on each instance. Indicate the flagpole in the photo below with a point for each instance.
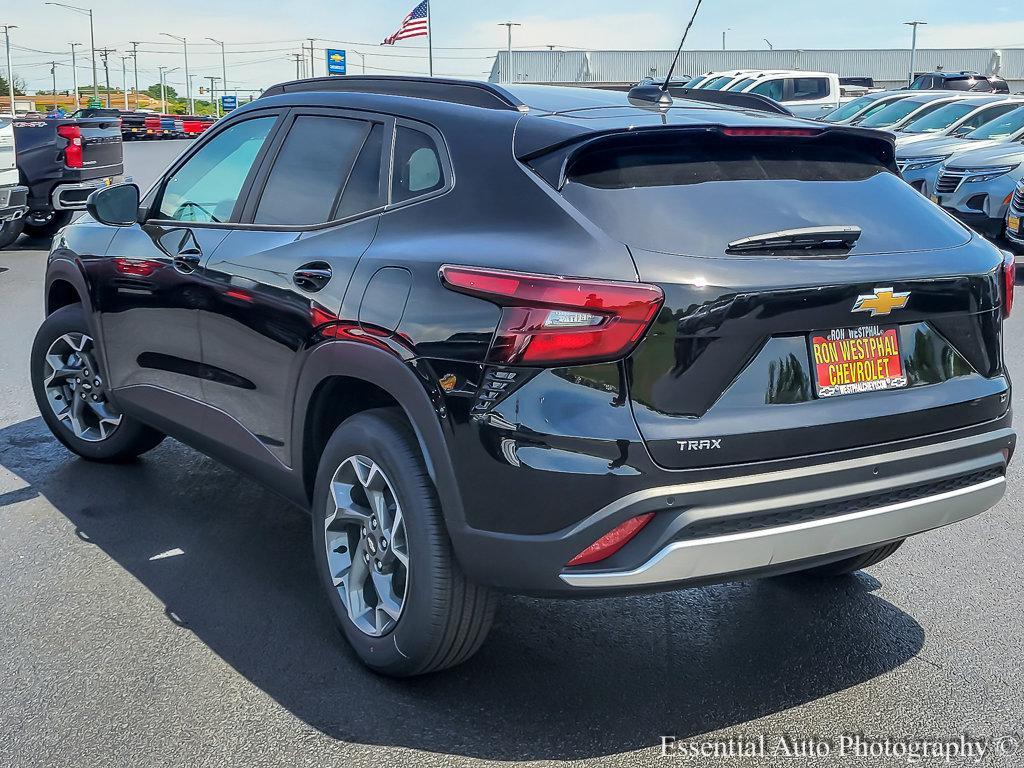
(430, 40)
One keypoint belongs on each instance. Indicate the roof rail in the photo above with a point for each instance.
(731, 99)
(473, 93)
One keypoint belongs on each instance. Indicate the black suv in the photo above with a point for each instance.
(960, 81)
(540, 340)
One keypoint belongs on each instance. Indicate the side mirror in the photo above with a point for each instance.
(117, 206)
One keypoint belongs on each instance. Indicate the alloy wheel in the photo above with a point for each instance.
(75, 390)
(367, 547)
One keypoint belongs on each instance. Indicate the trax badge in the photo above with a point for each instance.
(700, 445)
(881, 302)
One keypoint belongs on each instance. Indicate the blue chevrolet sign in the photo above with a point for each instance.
(228, 103)
(335, 61)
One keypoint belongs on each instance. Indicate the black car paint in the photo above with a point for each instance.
(230, 356)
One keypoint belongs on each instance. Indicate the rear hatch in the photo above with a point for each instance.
(871, 317)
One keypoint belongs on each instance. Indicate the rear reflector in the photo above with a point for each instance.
(1009, 278)
(612, 541)
(548, 320)
(73, 150)
(770, 131)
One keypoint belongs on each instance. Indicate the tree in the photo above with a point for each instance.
(154, 91)
(19, 87)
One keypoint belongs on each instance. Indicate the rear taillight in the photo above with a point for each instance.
(1009, 278)
(612, 541)
(548, 320)
(73, 151)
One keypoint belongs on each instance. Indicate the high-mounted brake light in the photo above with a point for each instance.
(1009, 278)
(548, 320)
(770, 131)
(73, 151)
(612, 541)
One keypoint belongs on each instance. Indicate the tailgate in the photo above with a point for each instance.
(773, 345)
(101, 144)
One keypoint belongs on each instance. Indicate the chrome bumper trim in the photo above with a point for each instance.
(740, 552)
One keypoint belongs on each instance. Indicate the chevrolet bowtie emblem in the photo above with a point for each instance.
(881, 302)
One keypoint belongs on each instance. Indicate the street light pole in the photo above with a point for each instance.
(312, 73)
(913, 46)
(727, 29)
(188, 81)
(10, 68)
(74, 72)
(223, 68)
(770, 46)
(163, 95)
(508, 25)
(92, 45)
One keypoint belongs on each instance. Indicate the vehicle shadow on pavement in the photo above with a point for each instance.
(556, 680)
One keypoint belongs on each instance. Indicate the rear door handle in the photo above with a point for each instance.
(312, 277)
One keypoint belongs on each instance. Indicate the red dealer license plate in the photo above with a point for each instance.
(851, 360)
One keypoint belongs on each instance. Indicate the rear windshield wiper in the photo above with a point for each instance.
(802, 238)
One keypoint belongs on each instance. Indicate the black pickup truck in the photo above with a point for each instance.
(62, 161)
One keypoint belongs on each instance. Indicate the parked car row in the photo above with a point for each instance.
(145, 125)
(805, 94)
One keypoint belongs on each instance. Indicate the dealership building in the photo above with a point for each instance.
(888, 67)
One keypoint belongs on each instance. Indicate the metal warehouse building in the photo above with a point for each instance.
(889, 67)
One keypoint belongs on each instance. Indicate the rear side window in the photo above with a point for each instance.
(311, 170)
(689, 194)
(773, 89)
(207, 186)
(809, 88)
(986, 115)
(417, 170)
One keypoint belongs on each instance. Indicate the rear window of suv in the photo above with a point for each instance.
(694, 194)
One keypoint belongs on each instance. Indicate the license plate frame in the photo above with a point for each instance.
(855, 360)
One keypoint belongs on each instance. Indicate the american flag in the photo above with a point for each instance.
(414, 25)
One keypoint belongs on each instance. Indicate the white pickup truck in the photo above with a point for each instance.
(13, 196)
(805, 94)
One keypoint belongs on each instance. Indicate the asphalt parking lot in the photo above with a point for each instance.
(166, 613)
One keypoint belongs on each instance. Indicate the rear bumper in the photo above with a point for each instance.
(754, 525)
(13, 202)
(72, 197)
(745, 552)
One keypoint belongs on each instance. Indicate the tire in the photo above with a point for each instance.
(44, 224)
(856, 563)
(442, 618)
(103, 439)
(10, 231)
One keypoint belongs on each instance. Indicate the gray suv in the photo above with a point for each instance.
(976, 186)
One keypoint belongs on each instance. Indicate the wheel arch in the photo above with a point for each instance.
(342, 378)
(65, 284)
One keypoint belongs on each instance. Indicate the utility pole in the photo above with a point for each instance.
(312, 66)
(10, 68)
(362, 60)
(53, 74)
(508, 25)
(213, 91)
(299, 58)
(913, 46)
(74, 72)
(92, 46)
(104, 53)
(223, 67)
(124, 79)
(135, 64)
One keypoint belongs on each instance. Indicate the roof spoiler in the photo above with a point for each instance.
(731, 99)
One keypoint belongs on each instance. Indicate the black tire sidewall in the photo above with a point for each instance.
(10, 231)
(417, 635)
(130, 438)
(49, 229)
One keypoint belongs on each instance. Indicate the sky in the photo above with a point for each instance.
(261, 35)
